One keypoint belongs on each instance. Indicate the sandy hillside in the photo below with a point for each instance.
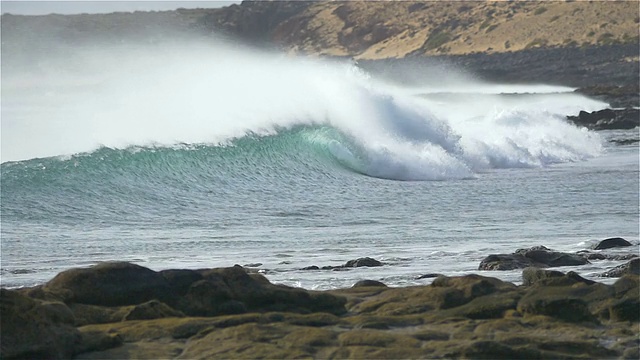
(363, 29)
(374, 30)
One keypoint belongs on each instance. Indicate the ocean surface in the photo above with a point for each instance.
(197, 156)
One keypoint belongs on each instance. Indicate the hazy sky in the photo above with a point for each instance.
(33, 7)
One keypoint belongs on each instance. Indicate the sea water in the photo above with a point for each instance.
(208, 155)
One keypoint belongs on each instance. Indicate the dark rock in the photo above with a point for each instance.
(363, 283)
(611, 243)
(608, 119)
(506, 262)
(567, 309)
(366, 261)
(180, 279)
(428, 276)
(625, 284)
(111, 284)
(532, 275)
(32, 329)
(153, 309)
(542, 277)
(626, 309)
(632, 267)
(600, 256)
(98, 341)
(206, 298)
(494, 350)
(554, 258)
(232, 290)
(473, 286)
(360, 262)
(537, 256)
(312, 267)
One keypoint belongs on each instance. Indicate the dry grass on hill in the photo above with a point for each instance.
(373, 30)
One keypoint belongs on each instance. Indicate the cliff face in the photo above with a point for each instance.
(368, 29)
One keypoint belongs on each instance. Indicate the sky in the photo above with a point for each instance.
(39, 7)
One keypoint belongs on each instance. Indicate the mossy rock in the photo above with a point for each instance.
(626, 309)
(567, 309)
(111, 284)
(32, 329)
(153, 309)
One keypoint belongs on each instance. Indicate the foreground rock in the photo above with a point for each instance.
(538, 256)
(556, 316)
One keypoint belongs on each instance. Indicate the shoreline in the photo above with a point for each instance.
(123, 310)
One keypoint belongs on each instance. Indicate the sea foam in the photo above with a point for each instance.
(195, 93)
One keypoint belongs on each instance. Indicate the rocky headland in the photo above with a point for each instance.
(120, 310)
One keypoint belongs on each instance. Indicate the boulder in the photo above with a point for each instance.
(506, 262)
(608, 119)
(111, 284)
(532, 275)
(365, 261)
(428, 276)
(360, 262)
(34, 329)
(363, 283)
(180, 279)
(611, 243)
(233, 291)
(601, 256)
(632, 267)
(567, 309)
(537, 256)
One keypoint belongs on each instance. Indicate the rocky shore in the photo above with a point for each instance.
(119, 310)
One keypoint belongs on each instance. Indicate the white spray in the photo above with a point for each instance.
(165, 94)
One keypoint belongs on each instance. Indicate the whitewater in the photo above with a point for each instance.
(186, 154)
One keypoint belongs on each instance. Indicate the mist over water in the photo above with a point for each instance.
(192, 154)
(193, 92)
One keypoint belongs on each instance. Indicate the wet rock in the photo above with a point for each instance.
(366, 261)
(32, 329)
(506, 262)
(601, 256)
(363, 283)
(312, 267)
(360, 262)
(537, 256)
(608, 119)
(632, 267)
(550, 258)
(111, 284)
(611, 243)
(428, 276)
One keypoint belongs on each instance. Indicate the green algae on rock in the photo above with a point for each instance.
(555, 316)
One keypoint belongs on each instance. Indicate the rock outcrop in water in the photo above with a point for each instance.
(537, 256)
(554, 315)
(608, 119)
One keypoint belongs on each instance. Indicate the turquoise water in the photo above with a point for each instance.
(297, 163)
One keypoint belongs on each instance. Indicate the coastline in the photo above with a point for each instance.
(122, 310)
